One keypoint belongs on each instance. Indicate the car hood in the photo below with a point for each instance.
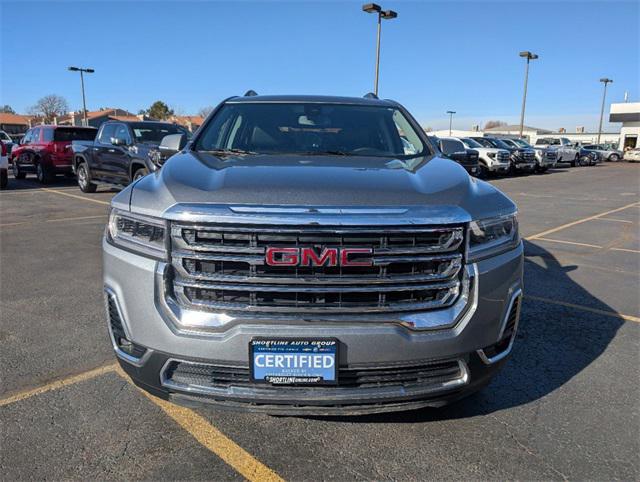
(192, 182)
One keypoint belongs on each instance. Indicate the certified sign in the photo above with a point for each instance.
(294, 361)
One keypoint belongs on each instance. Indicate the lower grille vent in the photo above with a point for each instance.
(420, 373)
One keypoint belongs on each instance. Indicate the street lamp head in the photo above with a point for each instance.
(606, 81)
(73, 69)
(389, 14)
(90, 71)
(528, 55)
(371, 8)
(451, 112)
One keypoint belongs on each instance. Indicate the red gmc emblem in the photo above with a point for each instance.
(276, 256)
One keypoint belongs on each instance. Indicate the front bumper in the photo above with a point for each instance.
(131, 281)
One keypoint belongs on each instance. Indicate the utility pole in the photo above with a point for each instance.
(450, 112)
(529, 56)
(84, 103)
(382, 14)
(605, 81)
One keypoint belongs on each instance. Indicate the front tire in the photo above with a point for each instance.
(614, 158)
(43, 173)
(84, 179)
(576, 161)
(17, 172)
(140, 172)
(4, 178)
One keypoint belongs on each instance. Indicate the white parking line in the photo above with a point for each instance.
(615, 220)
(570, 242)
(580, 221)
(626, 250)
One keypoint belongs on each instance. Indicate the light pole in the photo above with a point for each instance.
(84, 103)
(387, 15)
(529, 56)
(605, 81)
(450, 112)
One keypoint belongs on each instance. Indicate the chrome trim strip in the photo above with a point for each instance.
(337, 394)
(516, 294)
(414, 214)
(138, 362)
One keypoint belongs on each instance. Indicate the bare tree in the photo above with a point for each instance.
(494, 123)
(6, 109)
(50, 106)
(205, 111)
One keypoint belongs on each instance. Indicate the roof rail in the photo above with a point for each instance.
(250, 93)
(370, 95)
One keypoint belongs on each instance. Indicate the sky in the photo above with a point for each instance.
(436, 56)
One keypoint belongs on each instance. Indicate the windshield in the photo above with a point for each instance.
(152, 133)
(311, 128)
(68, 134)
(520, 143)
(471, 144)
(5, 137)
(484, 142)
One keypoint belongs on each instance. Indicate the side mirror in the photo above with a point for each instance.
(117, 141)
(173, 143)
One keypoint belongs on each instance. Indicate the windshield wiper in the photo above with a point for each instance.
(328, 153)
(229, 151)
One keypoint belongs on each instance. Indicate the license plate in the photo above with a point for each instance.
(294, 361)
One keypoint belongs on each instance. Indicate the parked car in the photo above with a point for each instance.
(607, 153)
(523, 159)
(516, 156)
(589, 157)
(567, 151)
(46, 151)
(7, 141)
(121, 153)
(491, 159)
(456, 150)
(632, 155)
(4, 165)
(545, 157)
(292, 259)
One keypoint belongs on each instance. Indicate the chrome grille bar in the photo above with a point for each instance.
(222, 268)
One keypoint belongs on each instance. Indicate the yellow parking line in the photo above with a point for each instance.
(213, 439)
(625, 250)
(56, 220)
(58, 384)
(569, 242)
(580, 221)
(75, 196)
(615, 220)
(585, 308)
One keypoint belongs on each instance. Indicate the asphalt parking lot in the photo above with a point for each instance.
(567, 406)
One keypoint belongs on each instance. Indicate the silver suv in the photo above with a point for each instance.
(311, 255)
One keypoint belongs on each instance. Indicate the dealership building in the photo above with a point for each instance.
(628, 114)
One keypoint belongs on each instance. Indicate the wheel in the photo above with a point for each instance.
(614, 158)
(576, 161)
(483, 171)
(544, 169)
(43, 173)
(17, 172)
(140, 172)
(84, 178)
(4, 178)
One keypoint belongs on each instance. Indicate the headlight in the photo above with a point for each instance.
(155, 156)
(489, 237)
(143, 235)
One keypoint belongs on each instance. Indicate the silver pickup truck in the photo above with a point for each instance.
(311, 255)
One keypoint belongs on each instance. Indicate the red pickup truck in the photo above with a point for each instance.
(46, 151)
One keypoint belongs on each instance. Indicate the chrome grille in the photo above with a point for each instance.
(551, 155)
(529, 156)
(503, 156)
(223, 268)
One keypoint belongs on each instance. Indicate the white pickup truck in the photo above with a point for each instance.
(567, 150)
